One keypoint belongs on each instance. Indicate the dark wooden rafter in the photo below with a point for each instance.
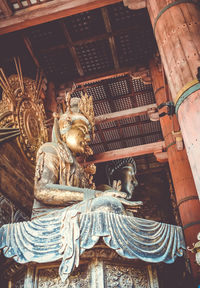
(128, 152)
(105, 75)
(72, 48)
(30, 49)
(49, 11)
(111, 37)
(133, 112)
(90, 39)
(5, 8)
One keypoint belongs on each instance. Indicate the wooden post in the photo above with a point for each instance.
(176, 26)
(185, 190)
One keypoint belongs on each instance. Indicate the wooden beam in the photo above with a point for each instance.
(49, 11)
(30, 50)
(72, 48)
(90, 39)
(5, 8)
(128, 152)
(111, 37)
(124, 114)
(105, 75)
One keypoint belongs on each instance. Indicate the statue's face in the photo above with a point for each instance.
(77, 137)
(128, 180)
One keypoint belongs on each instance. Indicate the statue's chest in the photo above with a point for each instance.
(74, 175)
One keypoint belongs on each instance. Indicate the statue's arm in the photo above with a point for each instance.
(47, 172)
(47, 188)
(57, 197)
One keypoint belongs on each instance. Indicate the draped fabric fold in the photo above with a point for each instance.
(65, 234)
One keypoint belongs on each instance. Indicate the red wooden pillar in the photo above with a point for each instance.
(176, 25)
(185, 190)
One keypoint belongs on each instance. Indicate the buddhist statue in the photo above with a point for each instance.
(70, 216)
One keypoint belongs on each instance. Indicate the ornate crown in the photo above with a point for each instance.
(83, 105)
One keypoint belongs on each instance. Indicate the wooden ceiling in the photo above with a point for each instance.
(99, 50)
(104, 41)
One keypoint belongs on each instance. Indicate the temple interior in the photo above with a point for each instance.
(110, 50)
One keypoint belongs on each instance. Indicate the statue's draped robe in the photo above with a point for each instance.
(65, 233)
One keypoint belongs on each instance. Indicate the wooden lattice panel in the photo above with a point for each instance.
(144, 117)
(133, 142)
(45, 36)
(111, 135)
(58, 66)
(76, 93)
(123, 104)
(101, 108)
(139, 86)
(122, 17)
(95, 57)
(129, 47)
(99, 148)
(115, 145)
(119, 87)
(97, 92)
(85, 25)
(150, 127)
(130, 131)
(145, 98)
(128, 121)
(153, 138)
(107, 125)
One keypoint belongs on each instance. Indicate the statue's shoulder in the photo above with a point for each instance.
(55, 151)
(49, 148)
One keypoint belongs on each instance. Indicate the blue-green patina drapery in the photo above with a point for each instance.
(65, 234)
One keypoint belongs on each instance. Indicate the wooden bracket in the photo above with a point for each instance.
(179, 140)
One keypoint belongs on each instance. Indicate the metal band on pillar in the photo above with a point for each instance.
(186, 91)
(191, 224)
(189, 198)
(169, 6)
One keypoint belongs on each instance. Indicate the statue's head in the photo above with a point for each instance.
(125, 171)
(76, 126)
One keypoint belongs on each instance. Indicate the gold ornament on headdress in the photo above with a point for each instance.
(85, 107)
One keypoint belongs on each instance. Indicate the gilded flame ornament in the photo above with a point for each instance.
(22, 113)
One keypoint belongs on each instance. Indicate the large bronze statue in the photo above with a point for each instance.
(69, 215)
(57, 169)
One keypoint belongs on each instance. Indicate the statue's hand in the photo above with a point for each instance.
(117, 185)
(111, 193)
